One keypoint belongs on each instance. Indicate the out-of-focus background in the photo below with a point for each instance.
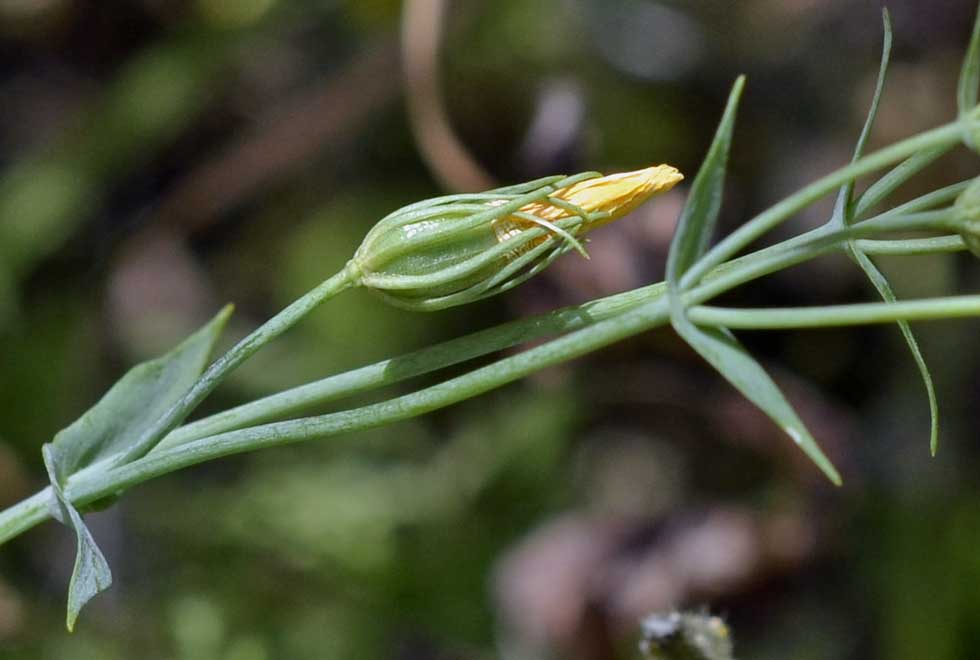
(158, 159)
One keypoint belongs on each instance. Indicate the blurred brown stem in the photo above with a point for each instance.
(451, 163)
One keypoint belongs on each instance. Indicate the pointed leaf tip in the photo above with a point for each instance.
(135, 402)
(697, 222)
(845, 212)
(969, 83)
(91, 574)
(720, 348)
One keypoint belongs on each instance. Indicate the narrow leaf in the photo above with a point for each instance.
(718, 346)
(697, 221)
(885, 290)
(723, 351)
(967, 90)
(845, 212)
(878, 191)
(91, 574)
(842, 209)
(133, 403)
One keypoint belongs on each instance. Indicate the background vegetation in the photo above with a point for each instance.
(160, 158)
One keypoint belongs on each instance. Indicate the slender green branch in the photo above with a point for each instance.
(507, 370)
(637, 311)
(886, 185)
(771, 218)
(388, 372)
(395, 370)
(580, 342)
(933, 199)
(818, 241)
(911, 246)
(837, 315)
(404, 407)
(244, 349)
(27, 513)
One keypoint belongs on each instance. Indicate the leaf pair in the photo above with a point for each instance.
(715, 344)
(108, 430)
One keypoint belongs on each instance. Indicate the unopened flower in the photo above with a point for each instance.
(460, 248)
(966, 216)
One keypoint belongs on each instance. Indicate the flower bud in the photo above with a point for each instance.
(966, 216)
(460, 248)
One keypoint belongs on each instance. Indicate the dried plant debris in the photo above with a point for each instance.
(685, 636)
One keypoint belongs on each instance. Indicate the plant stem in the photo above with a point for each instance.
(20, 517)
(911, 246)
(224, 365)
(400, 408)
(598, 335)
(592, 326)
(771, 218)
(395, 370)
(837, 315)
(886, 185)
(388, 372)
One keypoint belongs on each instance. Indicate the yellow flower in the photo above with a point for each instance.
(613, 194)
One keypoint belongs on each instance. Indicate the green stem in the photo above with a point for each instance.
(27, 513)
(837, 315)
(593, 326)
(818, 241)
(886, 185)
(389, 372)
(401, 408)
(771, 218)
(416, 363)
(911, 246)
(224, 365)
(597, 335)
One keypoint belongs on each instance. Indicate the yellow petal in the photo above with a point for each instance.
(615, 194)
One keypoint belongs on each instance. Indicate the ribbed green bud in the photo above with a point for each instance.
(966, 216)
(460, 248)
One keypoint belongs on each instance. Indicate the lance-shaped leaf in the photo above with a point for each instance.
(842, 209)
(697, 221)
(967, 90)
(131, 405)
(91, 574)
(878, 191)
(845, 212)
(717, 345)
(723, 351)
(885, 291)
(142, 395)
